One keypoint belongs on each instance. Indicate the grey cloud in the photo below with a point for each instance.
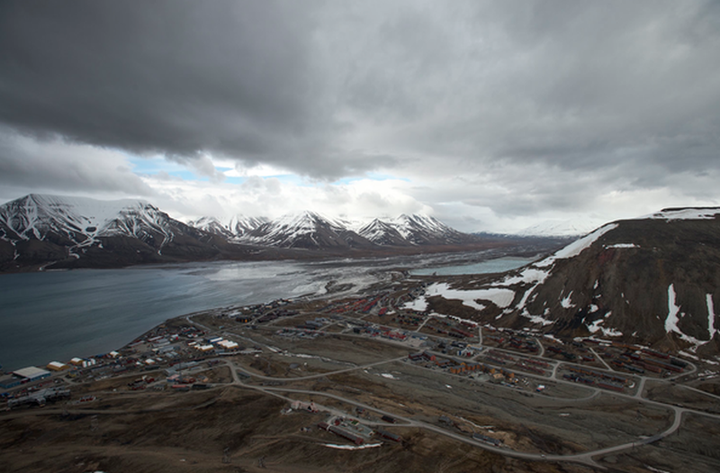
(593, 96)
(178, 78)
(55, 166)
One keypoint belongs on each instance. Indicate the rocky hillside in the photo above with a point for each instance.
(653, 280)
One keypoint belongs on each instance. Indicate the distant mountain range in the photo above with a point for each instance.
(311, 230)
(57, 232)
(654, 280)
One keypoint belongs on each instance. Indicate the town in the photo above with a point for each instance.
(367, 368)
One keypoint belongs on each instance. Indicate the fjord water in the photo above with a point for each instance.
(59, 315)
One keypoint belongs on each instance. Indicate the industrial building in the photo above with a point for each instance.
(25, 375)
(31, 373)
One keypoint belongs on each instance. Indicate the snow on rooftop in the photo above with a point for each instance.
(31, 372)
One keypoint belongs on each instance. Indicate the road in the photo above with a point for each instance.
(312, 376)
(583, 457)
(601, 359)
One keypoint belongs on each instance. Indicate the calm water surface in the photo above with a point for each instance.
(499, 265)
(59, 315)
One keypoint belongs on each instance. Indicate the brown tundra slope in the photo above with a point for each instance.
(653, 281)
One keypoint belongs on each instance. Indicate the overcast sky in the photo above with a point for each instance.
(491, 116)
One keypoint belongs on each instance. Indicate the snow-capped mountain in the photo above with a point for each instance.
(242, 224)
(654, 281)
(81, 221)
(41, 229)
(311, 230)
(237, 226)
(382, 233)
(211, 225)
(63, 232)
(307, 230)
(426, 230)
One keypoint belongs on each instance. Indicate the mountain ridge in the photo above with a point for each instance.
(653, 281)
(47, 231)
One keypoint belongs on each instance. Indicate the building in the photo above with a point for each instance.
(57, 366)
(9, 381)
(31, 373)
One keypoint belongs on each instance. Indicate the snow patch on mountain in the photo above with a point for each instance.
(673, 318)
(537, 319)
(699, 213)
(562, 228)
(500, 297)
(622, 246)
(711, 316)
(82, 220)
(567, 302)
(577, 247)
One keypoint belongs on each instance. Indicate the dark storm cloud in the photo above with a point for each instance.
(57, 166)
(178, 78)
(590, 96)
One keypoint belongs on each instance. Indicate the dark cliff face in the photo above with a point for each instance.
(632, 283)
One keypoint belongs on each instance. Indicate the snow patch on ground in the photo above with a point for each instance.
(419, 304)
(689, 355)
(498, 296)
(388, 376)
(454, 317)
(623, 245)
(528, 276)
(352, 447)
